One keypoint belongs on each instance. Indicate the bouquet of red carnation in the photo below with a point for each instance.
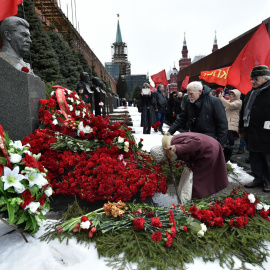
(155, 126)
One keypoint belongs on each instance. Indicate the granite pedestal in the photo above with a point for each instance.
(19, 101)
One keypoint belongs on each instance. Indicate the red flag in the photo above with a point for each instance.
(255, 53)
(152, 88)
(160, 78)
(185, 83)
(218, 76)
(9, 8)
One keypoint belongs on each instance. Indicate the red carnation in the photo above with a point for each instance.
(157, 236)
(219, 221)
(231, 222)
(239, 222)
(42, 199)
(156, 222)
(25, 69)
(84, 218)
(169, 240)
(173, 231)
(138, 223)
(26, 196)
(31, 162)
(185, 228)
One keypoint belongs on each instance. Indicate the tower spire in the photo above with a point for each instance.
(184, 61)
(215, 45)
(184, 43)
(118, 33)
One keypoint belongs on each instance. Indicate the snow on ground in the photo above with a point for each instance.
(15, 253)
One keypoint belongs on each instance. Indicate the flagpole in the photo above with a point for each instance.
(23, 10)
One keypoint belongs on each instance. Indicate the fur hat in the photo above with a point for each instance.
(158, 152)
(260, 71)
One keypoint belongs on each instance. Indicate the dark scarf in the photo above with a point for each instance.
(251, 100)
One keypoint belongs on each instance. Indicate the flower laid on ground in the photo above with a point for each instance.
(78, 156)
(162, 223)
(155, 126)
(101, 104)
(24, 188)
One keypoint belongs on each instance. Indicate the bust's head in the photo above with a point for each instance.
(15, 36)
(85, 77)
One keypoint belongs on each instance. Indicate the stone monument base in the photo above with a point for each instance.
(19, 101)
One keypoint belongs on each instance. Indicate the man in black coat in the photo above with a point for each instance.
(177, 109)
(254, 124)
(161, 104)
(203, 114)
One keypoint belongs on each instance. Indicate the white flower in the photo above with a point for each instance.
(124, 163)
(121, 157)
(71, 99)
(266, 207)
(70, 108)
(48, 191)
(83, 115)
(52, 93)
(77, 113)
(15, 158)
(251, 198)
(55, 122)
(77, 102)
(126, 146)
(200, 233)
(121, 140)
(33, 206)
(36, 179)
(40, 222)
(44, 211)
(85, 225)
(27, 152)
(259, 206)
(87, 129)
(19, 188)
(17, 144)
(204, 228)
(11, 178)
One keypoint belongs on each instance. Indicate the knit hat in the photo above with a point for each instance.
(158, 152)
(260, 71)
(218, 90)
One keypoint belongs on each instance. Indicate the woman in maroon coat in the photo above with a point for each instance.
(204, 155)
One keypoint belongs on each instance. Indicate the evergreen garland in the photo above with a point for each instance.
(126, 246)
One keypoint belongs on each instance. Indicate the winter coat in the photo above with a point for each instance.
(257, 138)
(232, 109)
(206, 116)
(177, 105)
(205, 155)
(161, 101)
(148, 106)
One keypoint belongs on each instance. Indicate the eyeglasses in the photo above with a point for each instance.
(254, 79)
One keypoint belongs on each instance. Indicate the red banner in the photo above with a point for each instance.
(218, 76)
(9, 8)
(255, 53)
(3, 151)
(185, 83)
(160, 78)
(61, 99)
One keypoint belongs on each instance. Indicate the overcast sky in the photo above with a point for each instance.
(154, 29)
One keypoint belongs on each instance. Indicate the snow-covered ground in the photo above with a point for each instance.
(36, 255)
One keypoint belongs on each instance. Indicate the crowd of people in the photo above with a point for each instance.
(222, 114)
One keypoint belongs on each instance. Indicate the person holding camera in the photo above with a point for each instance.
(202, 114)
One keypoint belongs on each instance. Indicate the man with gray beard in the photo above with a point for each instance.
(203, 113)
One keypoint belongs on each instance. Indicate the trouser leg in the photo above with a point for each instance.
(266, 169)
(230, 137)
(257, 165)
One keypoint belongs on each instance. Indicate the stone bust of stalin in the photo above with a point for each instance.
(16, 42)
